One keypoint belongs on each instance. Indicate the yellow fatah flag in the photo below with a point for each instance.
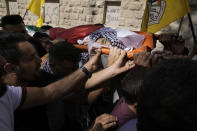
(160, 13)
(35, 6)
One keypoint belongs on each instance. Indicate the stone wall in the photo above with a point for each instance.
(3, 8)
(79, 12)
(69, 13)
(131, 14)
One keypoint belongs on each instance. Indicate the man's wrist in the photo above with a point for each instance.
(89, 67)
(86, 71)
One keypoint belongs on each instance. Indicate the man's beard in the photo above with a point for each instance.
(28, 77)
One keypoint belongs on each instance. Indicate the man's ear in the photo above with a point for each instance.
(10, 68)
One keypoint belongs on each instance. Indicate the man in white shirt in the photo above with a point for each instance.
(8, 103)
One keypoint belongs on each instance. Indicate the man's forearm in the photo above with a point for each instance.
(94, 94)
(100, 77)
(38, 96)
(66, 85)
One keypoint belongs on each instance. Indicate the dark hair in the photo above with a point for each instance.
(168, 97)
(9, 46)
(132, 83)
(46, 27)
(64, 51)
(11, 20)
(40, 35)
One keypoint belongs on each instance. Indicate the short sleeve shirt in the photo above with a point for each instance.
(9, 102)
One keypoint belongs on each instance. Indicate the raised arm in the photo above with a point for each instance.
(97, 83)
(117, 64)
(37, 96)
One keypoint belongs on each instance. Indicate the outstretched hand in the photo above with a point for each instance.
(114, 53)
(120, 63)
(142, 59)
(92, 64)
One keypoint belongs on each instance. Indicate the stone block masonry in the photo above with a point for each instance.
(69, 13)
(73, 13)
(3, 8)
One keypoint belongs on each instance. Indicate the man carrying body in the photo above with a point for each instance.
(22, 59)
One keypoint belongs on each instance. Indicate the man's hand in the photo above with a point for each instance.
(122, 64)
(97, 127)
(142, 59)
(106, 120)
(93, 47)
(165, 38)
(114, 54)
(92, 64)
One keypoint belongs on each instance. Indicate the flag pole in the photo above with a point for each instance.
(180, 25)
(194, 51)
(25, 14)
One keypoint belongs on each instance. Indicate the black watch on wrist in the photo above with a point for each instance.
(88, 74)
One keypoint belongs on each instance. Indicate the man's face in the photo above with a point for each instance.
(29, 62)
(19, 28)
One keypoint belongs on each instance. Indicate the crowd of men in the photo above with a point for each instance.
(150, 92)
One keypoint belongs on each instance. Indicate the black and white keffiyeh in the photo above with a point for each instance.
(109, 34)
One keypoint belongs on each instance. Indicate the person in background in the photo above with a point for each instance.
(174, 43)
(44, 40)
(15, 24)
(125, 109)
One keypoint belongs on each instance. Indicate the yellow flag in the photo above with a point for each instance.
(39, 22)
(35, 6)
(160, 13)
